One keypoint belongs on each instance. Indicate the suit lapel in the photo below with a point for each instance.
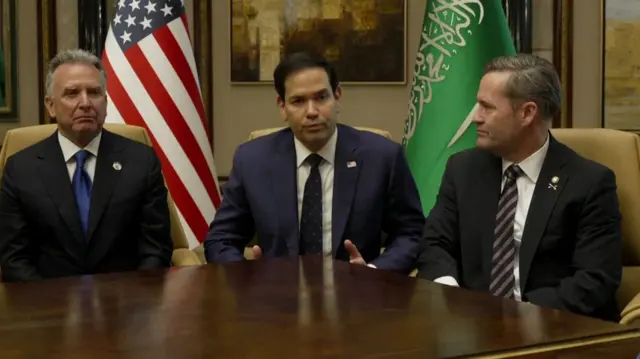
(542, 203)
(55, 177)
(105, 179)
(284, 182)
(346, 168)
(488, 188)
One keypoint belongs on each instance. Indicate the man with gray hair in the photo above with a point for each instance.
(84, 200)
(522, 216)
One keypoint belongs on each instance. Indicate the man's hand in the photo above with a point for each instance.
(257, 252)
(354, 254)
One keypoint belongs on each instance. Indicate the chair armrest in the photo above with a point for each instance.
(184, 257)
(631, 313)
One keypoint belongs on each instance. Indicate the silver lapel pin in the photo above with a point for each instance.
(554, 183)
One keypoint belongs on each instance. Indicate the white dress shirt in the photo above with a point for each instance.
(328, 154)
(69, 150)
(526, 184)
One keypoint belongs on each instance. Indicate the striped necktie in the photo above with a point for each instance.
(504, 249)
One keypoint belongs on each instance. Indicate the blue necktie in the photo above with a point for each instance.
(81, 184)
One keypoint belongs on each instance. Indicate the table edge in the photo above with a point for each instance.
(562, 345)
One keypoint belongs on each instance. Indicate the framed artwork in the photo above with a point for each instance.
(8, 78)
(366, 40)
(621, 65)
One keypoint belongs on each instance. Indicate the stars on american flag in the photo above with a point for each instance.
(136, 19)
(167, 10)
(126, 37)
(135, 5)
(151, 7)
(131, 21)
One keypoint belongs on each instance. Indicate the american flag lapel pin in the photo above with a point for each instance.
(351, 164)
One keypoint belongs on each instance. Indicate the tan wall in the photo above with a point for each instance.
(66, 24)
(587, 63)
(542, 43)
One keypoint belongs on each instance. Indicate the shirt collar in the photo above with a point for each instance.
(531, 165)
(328, 152)
(69, 149)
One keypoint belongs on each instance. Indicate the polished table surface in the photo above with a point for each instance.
(623, 349)
(278, 308)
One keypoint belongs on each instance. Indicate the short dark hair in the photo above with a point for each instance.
(532, 79)
(301, 61)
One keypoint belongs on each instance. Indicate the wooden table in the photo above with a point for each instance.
(622, 349)
(279, 308)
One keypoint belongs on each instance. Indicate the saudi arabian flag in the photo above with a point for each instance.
(458, 39)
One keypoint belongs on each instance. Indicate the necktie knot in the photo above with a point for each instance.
(513, 172)
(314, 160)
(81, 157)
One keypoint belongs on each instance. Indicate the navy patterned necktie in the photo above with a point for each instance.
(311, 217)
(504, 249)
(81, 184)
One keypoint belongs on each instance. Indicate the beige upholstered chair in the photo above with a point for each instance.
(259, 133)
(620, 151)
(19, 138)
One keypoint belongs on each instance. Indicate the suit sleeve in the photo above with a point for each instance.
(155, 245)
(16, 252)
(440, 246)
(233, 226)
(597, 255)
(403, 219)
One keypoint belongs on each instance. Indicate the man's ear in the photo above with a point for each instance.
(281, 105)
(338, 93)
(48, 104)
(528, 112)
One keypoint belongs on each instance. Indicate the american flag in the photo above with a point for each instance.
(152, 82)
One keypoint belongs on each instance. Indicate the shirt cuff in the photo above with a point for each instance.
(447, 280)
(372, 266)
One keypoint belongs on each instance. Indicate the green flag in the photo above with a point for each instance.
(458, 39)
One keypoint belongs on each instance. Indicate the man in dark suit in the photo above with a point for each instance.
(317, 187)
(84, 200)
(522, 216)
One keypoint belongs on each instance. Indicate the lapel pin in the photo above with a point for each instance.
(554, 183)
(351, 164)
(117, 166)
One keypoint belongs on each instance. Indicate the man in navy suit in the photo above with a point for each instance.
(318, 187)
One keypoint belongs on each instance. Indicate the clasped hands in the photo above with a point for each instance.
(354, 255)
